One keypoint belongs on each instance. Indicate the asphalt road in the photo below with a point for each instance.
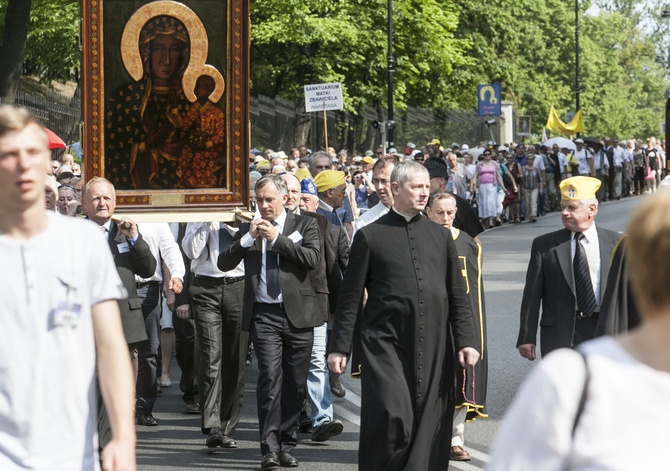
(177, 444)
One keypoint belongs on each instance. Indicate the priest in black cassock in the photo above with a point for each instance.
(416, 303)
(470, 399)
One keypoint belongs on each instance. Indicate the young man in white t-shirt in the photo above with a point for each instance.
(60, 321)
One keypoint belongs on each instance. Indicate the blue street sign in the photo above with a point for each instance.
(488, 100)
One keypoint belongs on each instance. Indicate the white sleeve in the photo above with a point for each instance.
(536, 433)
(195, 239)
(170, 252)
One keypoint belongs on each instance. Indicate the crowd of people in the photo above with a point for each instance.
(367, 262)
(503, 183)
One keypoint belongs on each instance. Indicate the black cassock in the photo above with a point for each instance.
(471, 387)
(416, 302)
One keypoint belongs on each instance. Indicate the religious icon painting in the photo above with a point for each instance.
(166, 101)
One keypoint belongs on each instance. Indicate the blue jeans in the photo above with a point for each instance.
(318, 386)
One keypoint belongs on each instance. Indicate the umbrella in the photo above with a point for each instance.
(562, 143)
(55, 142)
(592, 140)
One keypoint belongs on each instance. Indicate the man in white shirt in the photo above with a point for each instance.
(149, 291)
(381, 179)
(618, 159)
(216, 301)
(584, 159)
(60, 310)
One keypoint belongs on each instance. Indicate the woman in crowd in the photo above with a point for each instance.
(487, 179)
(584, 409)
(532, 183)
(66, 196)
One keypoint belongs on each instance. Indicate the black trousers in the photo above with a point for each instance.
(147, 350)
(187, 359)
(283, 353)
(217, 311)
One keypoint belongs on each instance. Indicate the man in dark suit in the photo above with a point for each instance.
(132, 256)
(280, 308)
(570, 297)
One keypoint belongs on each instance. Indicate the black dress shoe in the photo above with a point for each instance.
(287, 460)
(228, 442)
(336, 387)
(214, 438)
(270, 460)
(146, 419)
(327, 430)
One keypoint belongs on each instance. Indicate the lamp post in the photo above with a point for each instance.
(390, 67)
(577, 78)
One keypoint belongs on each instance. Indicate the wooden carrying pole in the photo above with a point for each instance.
(325, 125)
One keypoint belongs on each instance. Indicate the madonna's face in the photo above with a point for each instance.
(167, 54)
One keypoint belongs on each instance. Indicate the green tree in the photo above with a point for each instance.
(15, 31)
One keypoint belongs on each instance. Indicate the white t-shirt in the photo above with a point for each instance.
(624, 424)
(48, 417)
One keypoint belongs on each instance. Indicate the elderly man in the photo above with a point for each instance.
(408, 357)
(279, 249)
(458, 178)
(465, 218)
(60, 323)
(320, 162)
(332, 188)
(471, 386)
(567, 274)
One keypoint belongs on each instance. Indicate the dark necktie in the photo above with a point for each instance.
(586, 300)
(272, 271)
(224, 237)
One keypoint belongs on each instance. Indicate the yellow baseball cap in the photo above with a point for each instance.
(368, 160)
(329, 179)
(579, 188)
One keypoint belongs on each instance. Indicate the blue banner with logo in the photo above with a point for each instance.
(489, 99)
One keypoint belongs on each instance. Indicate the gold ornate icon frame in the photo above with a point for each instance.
(104, 58)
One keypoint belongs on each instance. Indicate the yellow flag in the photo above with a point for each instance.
(573, 127)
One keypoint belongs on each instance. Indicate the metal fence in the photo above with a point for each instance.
(281, 124)
(277, 123)
(60, 113)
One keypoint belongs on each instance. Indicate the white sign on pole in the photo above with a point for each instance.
(323, 96)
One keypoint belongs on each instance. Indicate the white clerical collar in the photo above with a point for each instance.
(407, 218)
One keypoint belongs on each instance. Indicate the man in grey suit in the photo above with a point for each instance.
(132, 256)
(570, 297)
(279, 250)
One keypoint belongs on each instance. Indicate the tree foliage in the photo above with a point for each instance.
(442, 49)
(51, 49)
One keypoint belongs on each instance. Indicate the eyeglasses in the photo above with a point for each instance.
(340, 190)
(487, 153)
(66, 186)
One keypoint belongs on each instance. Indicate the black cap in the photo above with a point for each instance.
(436, 167)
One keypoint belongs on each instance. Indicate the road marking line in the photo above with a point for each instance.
(345, 414)
(353, 398)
